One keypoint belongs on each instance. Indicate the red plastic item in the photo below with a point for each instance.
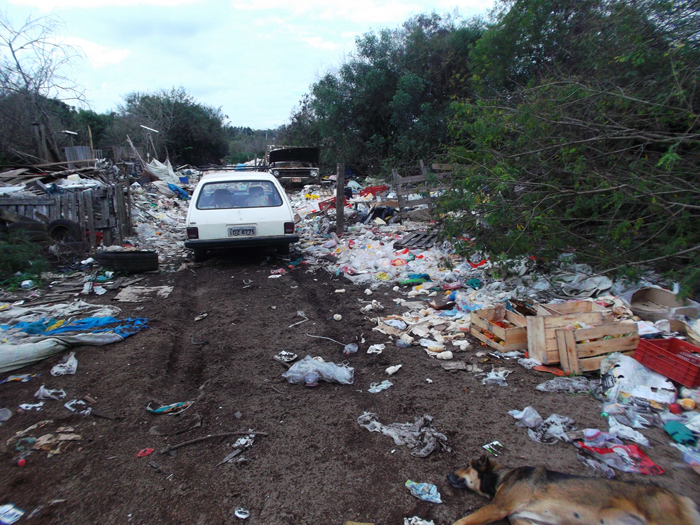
(373, 190)
(145, 452)
(674, 358)
(329, 203)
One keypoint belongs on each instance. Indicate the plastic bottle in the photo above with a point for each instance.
(595, 438)
(350, 349)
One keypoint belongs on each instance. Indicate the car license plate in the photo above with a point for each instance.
(296, 179)
(243, 231)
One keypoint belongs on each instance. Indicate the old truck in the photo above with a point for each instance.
(294, 166)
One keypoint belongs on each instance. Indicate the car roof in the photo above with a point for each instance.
(226, 176)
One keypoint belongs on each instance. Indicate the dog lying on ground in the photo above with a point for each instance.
(537, 496)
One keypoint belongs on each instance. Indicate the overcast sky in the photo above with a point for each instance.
(253, 58)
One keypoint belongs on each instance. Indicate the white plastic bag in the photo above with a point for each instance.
(68, 365)
(330, 372)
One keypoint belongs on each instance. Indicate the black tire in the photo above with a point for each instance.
(64, 231)
(36, 231)
(199, 255)
(137, 261)
(283, 249)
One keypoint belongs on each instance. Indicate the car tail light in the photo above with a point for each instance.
(193, 233)
(288, 227)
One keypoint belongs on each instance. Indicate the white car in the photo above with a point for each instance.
(231, 209)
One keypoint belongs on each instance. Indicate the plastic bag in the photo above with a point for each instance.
(596, 465)
(46, 393)
(529, 417)
(496, 377)
(424, 491)
(568, 385)
(625, 432)
(329, 372)
(626, 380)
(68, 365)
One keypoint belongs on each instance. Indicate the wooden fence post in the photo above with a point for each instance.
(340, 200)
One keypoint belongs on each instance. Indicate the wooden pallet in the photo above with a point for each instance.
(421, 240)
(504, 339)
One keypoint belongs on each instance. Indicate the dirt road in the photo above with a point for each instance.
(315, 464)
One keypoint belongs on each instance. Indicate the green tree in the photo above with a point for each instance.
(584, 136)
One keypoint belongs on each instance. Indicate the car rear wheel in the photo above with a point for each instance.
(199, 255)
(283, 249)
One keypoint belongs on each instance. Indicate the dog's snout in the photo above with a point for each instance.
(456, 481)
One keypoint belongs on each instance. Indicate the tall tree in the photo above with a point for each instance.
(34, 81)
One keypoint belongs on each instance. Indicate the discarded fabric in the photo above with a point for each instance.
(79, 407)
(568, 385)
(627, 458)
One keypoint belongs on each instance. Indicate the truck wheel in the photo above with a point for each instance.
(134, 262)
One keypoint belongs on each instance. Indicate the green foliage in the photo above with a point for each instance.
(584, 136)
(391, 98)
(19, 254)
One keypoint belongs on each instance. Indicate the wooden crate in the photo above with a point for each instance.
(513, 337)
(582, 350)
(541, 329)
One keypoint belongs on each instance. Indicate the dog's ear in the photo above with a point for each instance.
(482, 464)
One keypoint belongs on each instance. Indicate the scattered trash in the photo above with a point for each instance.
(424, 491)
(200, 317)
(337, 317)
(79, 407)
(393, 369)
(299, 314)
(598, 467)
(68, 365)
(378, 387)
(140, 294)
(10, 514)
(45, 393)
(569, 385)
(5, 414)
(376, 349)
(28, 407)
(495, 448)
(351, 348)
(415, 520)
(239, 446)
(419, 436)
(627, 458)
(241, 513)
(330, 372)
(549, 431)
(680, 433)
(23, 378)
(144, 452)
(624, 379)
(285, 357)
(496, 377)
(172, 409)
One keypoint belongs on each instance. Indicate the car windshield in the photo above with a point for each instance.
(238, 194)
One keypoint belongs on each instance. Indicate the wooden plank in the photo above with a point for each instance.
(536, 342)
(90, 217)
(568, 358)
(82, 205)
(415, 202)
(490, 342)
(117, 213)
(601, 331)
(592, 364)
(607, 346)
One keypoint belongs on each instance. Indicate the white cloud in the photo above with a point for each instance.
(98, 55)
(48, 5)
(365, 11)
(319, 43)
